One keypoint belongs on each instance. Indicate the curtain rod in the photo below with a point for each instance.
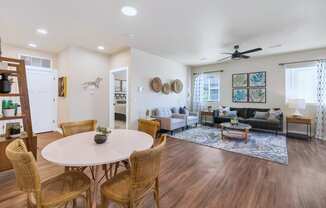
(207, 72)
(298, 62)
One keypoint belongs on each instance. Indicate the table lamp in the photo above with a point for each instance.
(297, 104)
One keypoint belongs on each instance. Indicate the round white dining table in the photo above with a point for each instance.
(80, 150)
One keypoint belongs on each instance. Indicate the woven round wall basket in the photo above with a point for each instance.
(177, 86)
(156, 84)
(166, 88)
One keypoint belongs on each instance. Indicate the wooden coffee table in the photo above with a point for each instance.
(237, 131)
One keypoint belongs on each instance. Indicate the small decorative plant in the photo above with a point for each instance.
(9, 108)
(101, 136)
(103, 130)
(234, 121)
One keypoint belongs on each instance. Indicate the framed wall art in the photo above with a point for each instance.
(240, 95)
(240, 80)
(62, 87)
(249, 87)
(257, 79)
(257, 95)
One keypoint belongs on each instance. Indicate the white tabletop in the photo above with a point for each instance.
(81, 150)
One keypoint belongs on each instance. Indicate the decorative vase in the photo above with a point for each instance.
(5, 84)
(100, 138)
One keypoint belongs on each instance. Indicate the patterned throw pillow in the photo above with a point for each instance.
(223, 110)
(274, 114)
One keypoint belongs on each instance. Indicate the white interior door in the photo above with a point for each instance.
(43, 91)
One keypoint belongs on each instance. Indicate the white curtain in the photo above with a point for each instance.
(321, 101)
(198, 102)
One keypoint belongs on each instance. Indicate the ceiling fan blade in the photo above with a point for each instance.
(244, 56)
(223, 59)
(227, 53)
(251, 51)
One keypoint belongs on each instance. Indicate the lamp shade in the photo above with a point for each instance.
(297, 104)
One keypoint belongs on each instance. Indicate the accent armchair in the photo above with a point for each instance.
(169, 121)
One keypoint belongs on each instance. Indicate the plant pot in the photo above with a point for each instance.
(9, 112)
(5, 84)
(100, 138)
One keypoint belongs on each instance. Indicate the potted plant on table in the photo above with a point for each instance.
(102, 135)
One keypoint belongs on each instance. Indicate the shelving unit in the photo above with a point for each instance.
(17, 69)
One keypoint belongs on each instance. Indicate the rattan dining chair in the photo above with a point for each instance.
(148, 126)
(54, 192)
(70, 128)
(128, 188)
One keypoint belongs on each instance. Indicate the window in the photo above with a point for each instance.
(36, 61)
(301, 83)
(211, 88)
(208, 87)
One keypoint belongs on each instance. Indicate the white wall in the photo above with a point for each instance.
(275, 77)
(143, 68)
(80, 66)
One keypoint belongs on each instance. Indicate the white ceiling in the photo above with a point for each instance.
(183, 30)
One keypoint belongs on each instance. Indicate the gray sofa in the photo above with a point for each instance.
(169, 121)
(246, 115)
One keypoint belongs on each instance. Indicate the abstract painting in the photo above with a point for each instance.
(62, 87)
(240, 95)
(257, 95)
(239, 80)
(257, 79)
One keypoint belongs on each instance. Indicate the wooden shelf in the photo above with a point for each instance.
(12, 117)
(22, 136)
(8, 72)
(16, 67)
(9, 94)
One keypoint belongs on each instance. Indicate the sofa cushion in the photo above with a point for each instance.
(255, 121)
(261, 115)
(231, 114)
(163, 112)
(241, 112)
(192, 118)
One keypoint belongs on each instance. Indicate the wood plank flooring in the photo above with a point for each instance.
(195, 176)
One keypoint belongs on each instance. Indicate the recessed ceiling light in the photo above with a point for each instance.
(33, 45)
(42, 31)
(129, 11)
(100, 48)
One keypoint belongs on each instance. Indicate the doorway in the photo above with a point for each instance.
(119, 98)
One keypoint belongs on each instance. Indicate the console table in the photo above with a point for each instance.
(204, 115)
(307, 121)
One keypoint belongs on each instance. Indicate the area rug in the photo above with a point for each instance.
(262, 145)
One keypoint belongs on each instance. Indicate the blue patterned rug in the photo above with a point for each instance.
(261, 145)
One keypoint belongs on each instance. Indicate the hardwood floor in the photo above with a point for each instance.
(195, 176)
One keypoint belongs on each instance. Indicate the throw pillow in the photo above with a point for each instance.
(174, 110)
(274, 114)
(182, 110)
(231, 113)
(223, 110)
(261, 115)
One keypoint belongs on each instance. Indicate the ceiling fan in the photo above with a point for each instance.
(237, 55)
